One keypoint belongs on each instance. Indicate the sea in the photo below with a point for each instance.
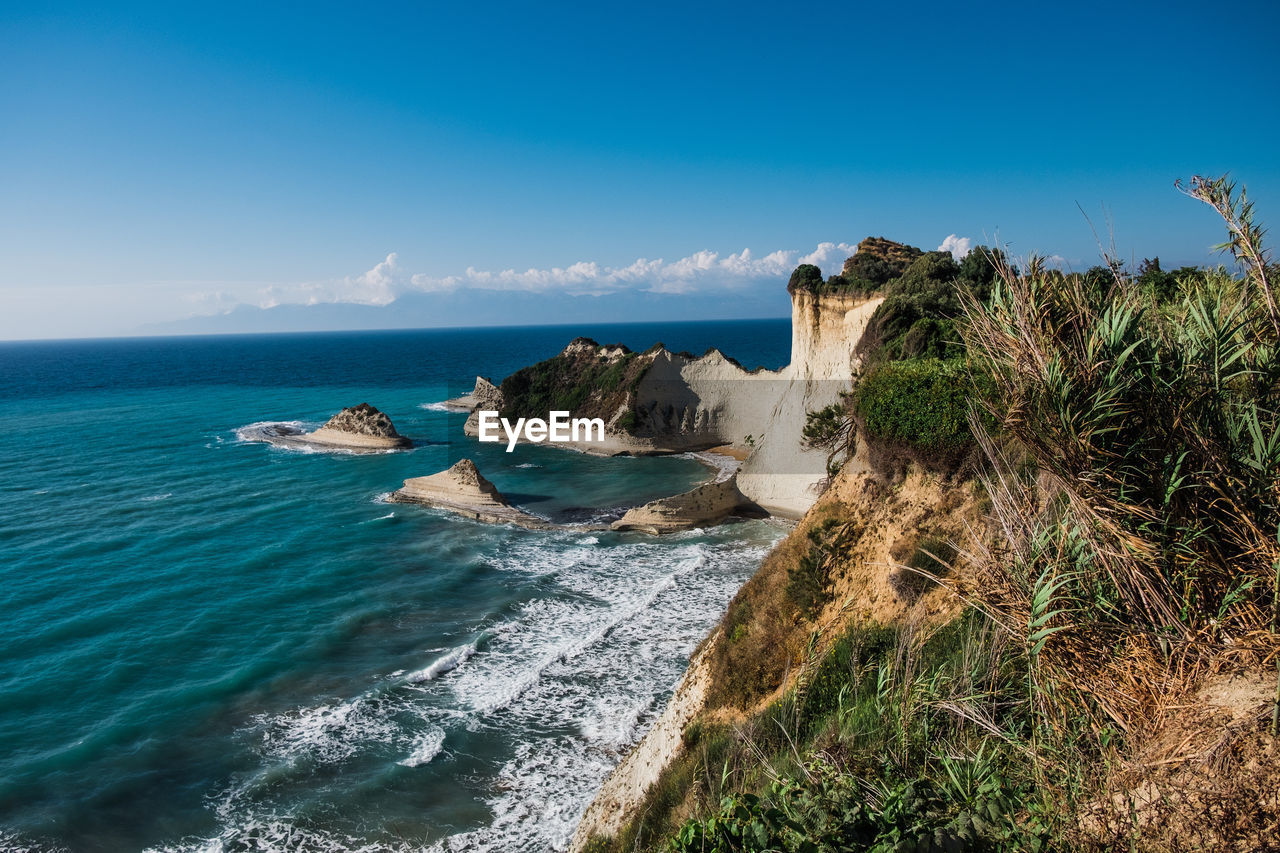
(210, 644)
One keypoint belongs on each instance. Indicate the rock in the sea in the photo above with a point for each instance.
(464, 490)
(360, 427)
(363, 420)
(461, 484)
(704, 505)
(485, 395)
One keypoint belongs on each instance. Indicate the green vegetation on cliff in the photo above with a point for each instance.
(1105, 675)
(586, 379)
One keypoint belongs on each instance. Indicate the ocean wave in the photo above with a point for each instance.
(427, 747)
(327, 733)
(447, 662)
(12, 843)
(591, 658)
(440, 406)
(586, 626)
(157, 497)
(541, 811)
(281, 834)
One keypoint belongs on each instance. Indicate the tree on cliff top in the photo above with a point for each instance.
(806, 277)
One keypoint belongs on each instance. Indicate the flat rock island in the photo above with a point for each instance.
(356, 429)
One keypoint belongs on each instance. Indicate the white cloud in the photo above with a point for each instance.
(702, 271)
(825, 252)
(957, 246)
(378, 286)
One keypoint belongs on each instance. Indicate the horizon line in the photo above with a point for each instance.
(337, 331)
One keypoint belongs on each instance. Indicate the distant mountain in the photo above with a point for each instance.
(483, 308)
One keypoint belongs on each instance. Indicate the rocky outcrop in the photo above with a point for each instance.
(701, 506)
(464, 490)
(485, 395)
(360, 427)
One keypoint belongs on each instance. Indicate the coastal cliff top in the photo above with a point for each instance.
(874, 263)
(883, 249)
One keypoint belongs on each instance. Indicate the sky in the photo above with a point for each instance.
(276, 166)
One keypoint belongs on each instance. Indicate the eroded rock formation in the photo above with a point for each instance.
(359, 427)
(462, 489)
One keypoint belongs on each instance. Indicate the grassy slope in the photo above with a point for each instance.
(1098, 670)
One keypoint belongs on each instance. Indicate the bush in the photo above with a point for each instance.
(932, 555)
(806, 277)
(808, 579)
(921, 405)
(926, 290)
(878, 261)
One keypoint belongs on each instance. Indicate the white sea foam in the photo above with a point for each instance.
(254, 431)
(591, 657)
(600, 663)
(447, 662)
(281, 834)
(427, 747)
(327, 733)
(528, 465)
(441, 406)
(12, 843)
(157, 497)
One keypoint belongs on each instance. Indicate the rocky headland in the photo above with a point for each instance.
(485, 395)
(659, 401)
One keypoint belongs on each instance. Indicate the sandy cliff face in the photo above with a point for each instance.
(782, 475)
(688, 402)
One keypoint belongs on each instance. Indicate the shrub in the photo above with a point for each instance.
(921, 405)
(932, 555)
(806, 277)
(927, 289)
(877, 261)
(809, 577)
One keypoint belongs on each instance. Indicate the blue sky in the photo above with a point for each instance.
(178, 159)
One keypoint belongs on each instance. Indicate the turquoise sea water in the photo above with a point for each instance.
(209, 644)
